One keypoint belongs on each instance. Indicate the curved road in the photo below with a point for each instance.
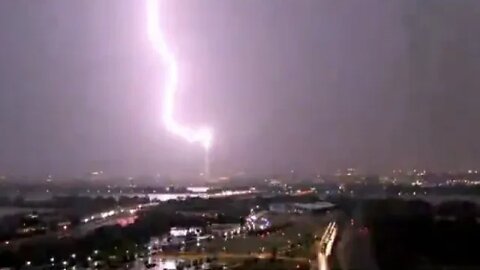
(325, 245)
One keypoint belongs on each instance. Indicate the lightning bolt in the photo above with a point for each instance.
(202, 135)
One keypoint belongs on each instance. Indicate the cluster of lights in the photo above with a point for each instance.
(462, 182)
(257, 221)
(110, 213)
(417, 183)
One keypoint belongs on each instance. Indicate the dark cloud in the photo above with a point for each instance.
(313, 85)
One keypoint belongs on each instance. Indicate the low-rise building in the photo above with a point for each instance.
(285, 208)
(227, 229)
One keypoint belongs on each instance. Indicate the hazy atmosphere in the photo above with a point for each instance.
(311, 85)
(239, 134)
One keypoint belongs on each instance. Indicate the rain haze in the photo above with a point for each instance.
(310, 85)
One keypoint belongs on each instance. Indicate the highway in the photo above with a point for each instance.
(87, 225)
(325, 245)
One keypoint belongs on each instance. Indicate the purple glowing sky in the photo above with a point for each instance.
(313, 85)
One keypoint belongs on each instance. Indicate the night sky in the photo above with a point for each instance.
(313, 85)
